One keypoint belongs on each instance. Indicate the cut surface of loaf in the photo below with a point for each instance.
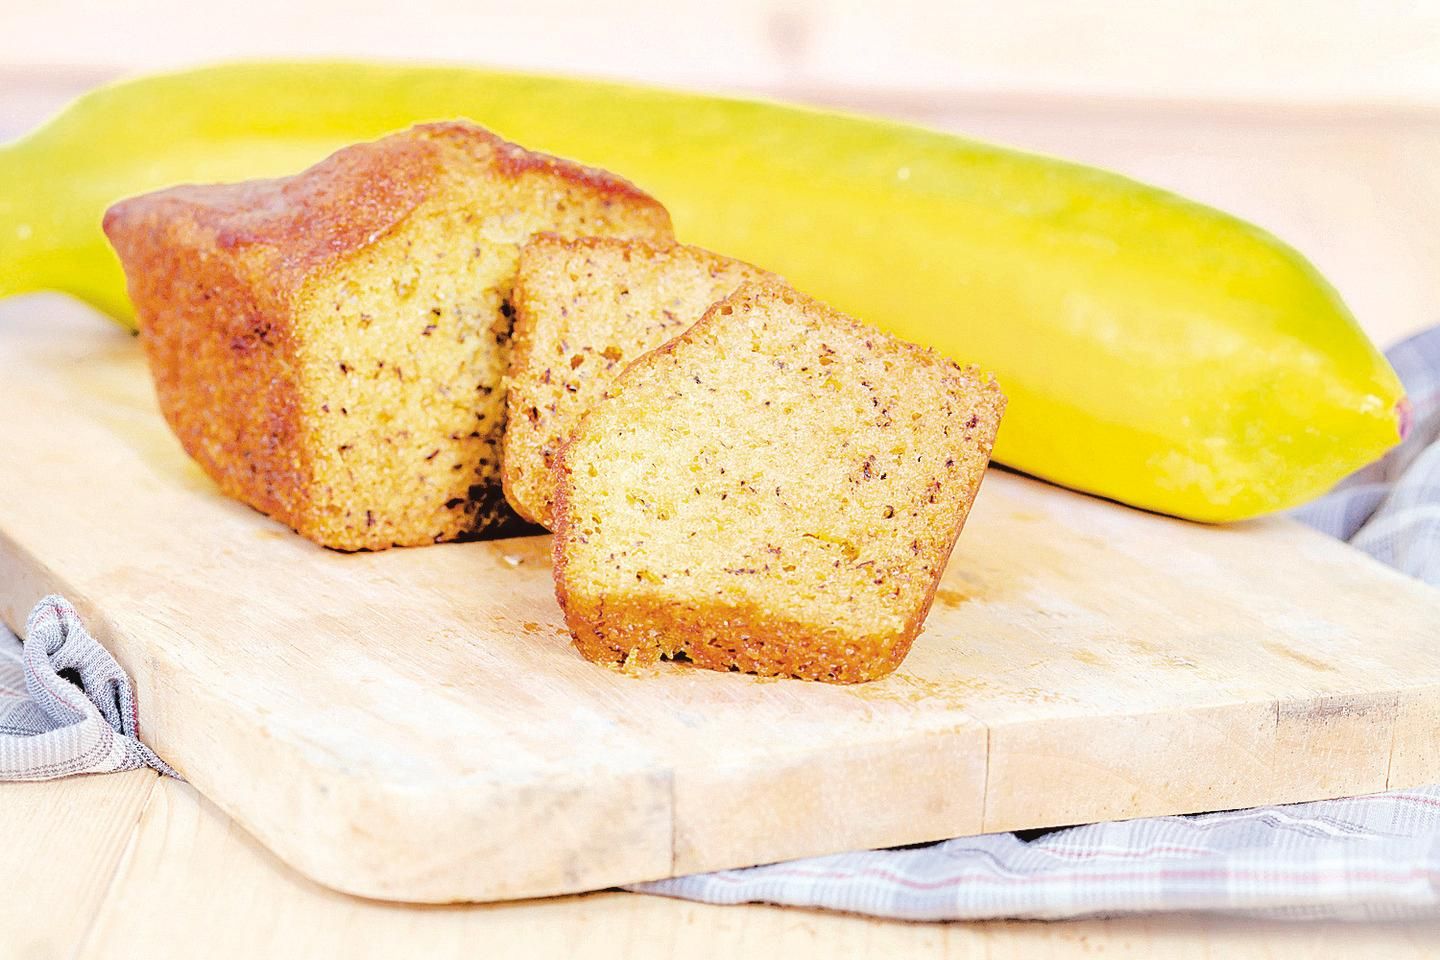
(775, 491)
(584, 309)
(331, 347)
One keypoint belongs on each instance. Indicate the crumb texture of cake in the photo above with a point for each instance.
(331, 347)
(775, 491)
(584, 309)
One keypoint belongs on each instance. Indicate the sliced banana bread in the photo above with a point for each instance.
(585, 308)
(331, 347)
(775, 491)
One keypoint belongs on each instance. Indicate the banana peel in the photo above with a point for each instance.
(1155, 351)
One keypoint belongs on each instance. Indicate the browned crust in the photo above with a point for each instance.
(637, 631)
(214, 272)
(514, 160)
(215, 344)
(640, 630)
(522, 342)
(343, 203)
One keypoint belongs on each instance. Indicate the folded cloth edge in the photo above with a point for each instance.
(77, 712)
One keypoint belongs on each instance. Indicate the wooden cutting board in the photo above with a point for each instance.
(415, 725)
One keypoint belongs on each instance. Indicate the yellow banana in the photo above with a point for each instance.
(1155, 351)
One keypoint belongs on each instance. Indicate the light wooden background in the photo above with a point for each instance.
(1326, 51)
(1320, 120)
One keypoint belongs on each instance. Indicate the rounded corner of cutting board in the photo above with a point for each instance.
(474, 839)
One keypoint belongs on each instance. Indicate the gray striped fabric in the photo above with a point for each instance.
(66, 707)
(1374, 857)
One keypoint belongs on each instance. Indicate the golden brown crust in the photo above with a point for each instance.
(215, 273)
(345, 201)
(634, 628)
(215, 341)
(638, 631)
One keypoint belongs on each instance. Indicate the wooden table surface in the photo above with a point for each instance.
(155, 870)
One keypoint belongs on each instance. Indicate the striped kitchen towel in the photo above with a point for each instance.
(1370, 858)
(66, 707)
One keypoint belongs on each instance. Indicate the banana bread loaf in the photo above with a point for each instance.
(330, 347)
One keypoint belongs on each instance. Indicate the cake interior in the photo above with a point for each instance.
(402, 353)
(584, 310)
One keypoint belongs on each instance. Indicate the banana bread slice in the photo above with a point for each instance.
(776, 491)
(331, 347)
(584, 308)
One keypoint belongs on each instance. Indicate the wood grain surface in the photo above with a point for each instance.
(181, 879)
(415, 725)
(63, 842)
